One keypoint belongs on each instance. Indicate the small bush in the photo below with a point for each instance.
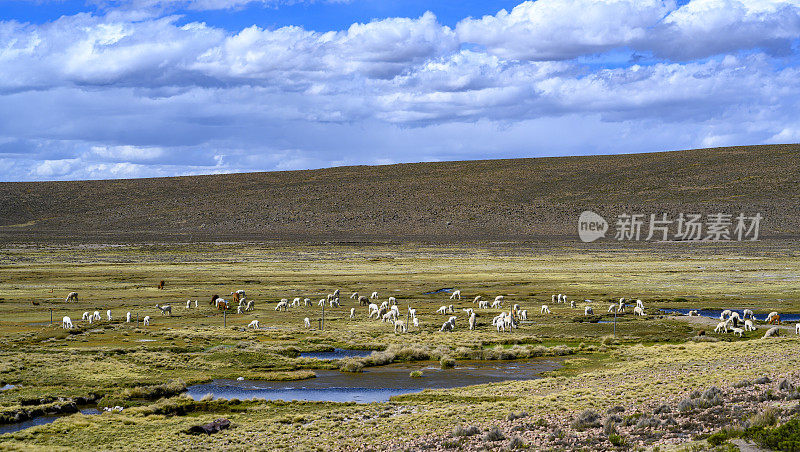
(610, 424)
(743, 384)
(587, 419)
(767, 418)
(615, 409)
(351, 365)
(516, 443)
(447, 363)
(786, 386)
(468, 431)
(762, 380)
(494, 434)
(416, 374)
(686, 405)
(663, 409)
(513, 416)
(784, 438)
(617, 440)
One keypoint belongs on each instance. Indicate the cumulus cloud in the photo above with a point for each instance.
(119, 95)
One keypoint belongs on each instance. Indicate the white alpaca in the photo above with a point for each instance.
(456, 295)
(354, 296)
(772, 315)
(621, 307)
(472, 321)
(477, 299)
(73, 296)
(469, 311)
(639, 304)
(195, 303)
(322, 301)
(450, 309)
(352, 313)
(384, 305)
(797, 328)
(66, 323)
(415, 321)
(335, 303)
(307, 322)
(612, 307)
(737, 331)
(562, 298)
(307, 302)
(390, 316)
(166, 309)
(588, 311)
(553, 299)
(694, 313)
(96, 315)
(85, 316)
(748, 325)
(392, 300)
(250, 305)
(108, 315)
(747, 313)
(188, 304)
(497, 303)
(128, 317)
(282, 305)
(725, 314)
(146, 320)
(336, 293)
(483, 304)
(571, 303)
(721, 326)
(442, 310)
(499, 298)
(523, 314)
(638, 311)
(396, 310)
(238, 309)
(296, 302)
(449, 325)
(373, 309)
(91, 319)
(545, 309)
(735, 316)
(412, 313)
(374, 295)
(400, 325)
(254, 325)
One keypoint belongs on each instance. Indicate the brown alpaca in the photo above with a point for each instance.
(161, 285)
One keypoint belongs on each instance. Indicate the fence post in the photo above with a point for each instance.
(322, 328)
(51, 316)
(224, 318)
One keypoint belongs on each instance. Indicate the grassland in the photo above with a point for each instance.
(651, 362)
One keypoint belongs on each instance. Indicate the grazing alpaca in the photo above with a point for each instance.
(195, 303)
(392, 301)
(469, 311)
(497, 303)
(571, 303)
(222, 304)
(483, 304)
(725, 314)
(354, 296)
(638, 311)
(307, 322)
(738, 331)
(400, 325)
(415, 321)
(73, 296)
(448, 325)
(385, 304)
(96, 315)
(374, 295)
(772, 332)
(456, 295)
(238, 309)
(307, 302)
(472, 321)
(188, 304)
(66, 323)
(146, 320)
(86, 316)
(352, 313)
(335, 303)
(296, 302)
(250, 305)
(128, 317)
(523, 314)
(748, 325)
(545, 309)
(721, 326)
(214, 299)
(639, 304)
(254, 325)
(612, 307)
(282, 305)
(553, 299)
(108, 315)
(477, 299)
(363, 301)
(161, 285)
(694, 313)
(442, 310)
(412, 313)
(747, 313)
(588, 311)
(773, 317)
(322, 301)
(166, 309)
(797, 328)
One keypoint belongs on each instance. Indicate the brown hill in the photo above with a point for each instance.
(497, 200)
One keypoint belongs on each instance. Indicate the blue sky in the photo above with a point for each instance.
(141, 88)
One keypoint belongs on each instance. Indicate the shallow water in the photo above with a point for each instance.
(714, 314)
(42, 420)
(377, 384)
(7, 387)
(448, 290)
(337, 353)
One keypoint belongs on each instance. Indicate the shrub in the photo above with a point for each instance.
(786, 386)
(447, 362)
(784, 438)
(351, 365)
(617, 440)
(512, 415)
(494, 434)
(415, 374)
(686, 405)
(615, 409)
(468, 431)
(663, 409)
(516, 443)
(587, 419)
(767, 418)
(762, 380)
(610, 424)
(743, 384)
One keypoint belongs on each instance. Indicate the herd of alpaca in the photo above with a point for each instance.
(389, 312)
